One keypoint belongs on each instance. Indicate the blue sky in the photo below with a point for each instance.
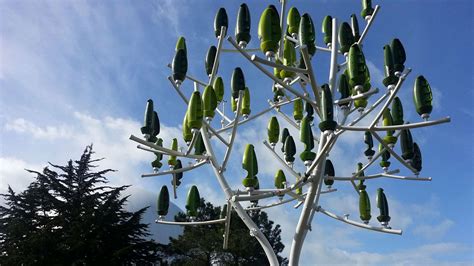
(79, 72)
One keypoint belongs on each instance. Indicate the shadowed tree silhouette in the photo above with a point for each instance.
(202, 245)
(69, 216)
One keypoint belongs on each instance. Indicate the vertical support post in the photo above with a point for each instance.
(174, 186)
(254, 230)
(333, 67)
(312, 78)
(227, 225)
(302, 227)
(234, 132)
(282, 25)
(218, 53)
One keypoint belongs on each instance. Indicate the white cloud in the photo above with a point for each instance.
(13, 173)
(169, 12)
(437, 99)
(109, 136)
(376, 75)
(435, 231)
(21, 125)
(319, 254)
(327, 243)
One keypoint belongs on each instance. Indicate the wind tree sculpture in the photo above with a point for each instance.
(281, 48)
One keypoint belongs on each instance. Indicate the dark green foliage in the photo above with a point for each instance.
(202, 245)
(68, 216)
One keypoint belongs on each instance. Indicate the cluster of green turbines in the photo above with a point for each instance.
(354, 81)
(288, 52)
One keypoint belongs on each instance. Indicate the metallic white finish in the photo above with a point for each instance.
(228, 217)
(218, 53)
(202, 83)
(393, 94)
(158, 149)
(234, 132)
(282, 162)
(333, 64)
(249, 50)
(269, 205)
(302, 226)
(361, 225)
(184, 169)
(312, 78)
(281, 66)
(399, 127)
(358, 96)
(238, 208)
(191, 223)
(369, 23)
(394, 154)
(270, 75)
(282, 26)
(314, 174)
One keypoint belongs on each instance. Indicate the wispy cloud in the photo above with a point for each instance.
(436, 231)
(21, 125)
(423, 255)
(109, 135)
(12, 173)
(170, 13)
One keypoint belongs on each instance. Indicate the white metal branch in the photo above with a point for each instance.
(369, 24)
(250, 118)
(282, 27)
(374, 158)
(358, 96)
(184, 169)
(228, 217)
(234, 133)
(254, 230)
(186, 101)
(202, 83)
(278, 203)
(293, 40)
(258, 195)
(178, 90)
(314, 185)
(349, 178)
(218, 221)
(282, 162)
(223, 115)
(333, 64)
(312, 78)
(287, 118)
(159, 149)
(218, 53)
(413, 178)
(191, 144)
(393, 94)
(394, 154)
(214, 133)
(296, 196)
(270, 75)
(324, 49)
(366, 112)
(249, 50)
(361, 225)
(257, 59)
(399, 127)
(322, 153)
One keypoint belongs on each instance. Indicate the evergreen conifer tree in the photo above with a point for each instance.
(69, 216)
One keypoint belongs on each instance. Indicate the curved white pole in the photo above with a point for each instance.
(191, 223)
(361, 225)
(302, 227)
